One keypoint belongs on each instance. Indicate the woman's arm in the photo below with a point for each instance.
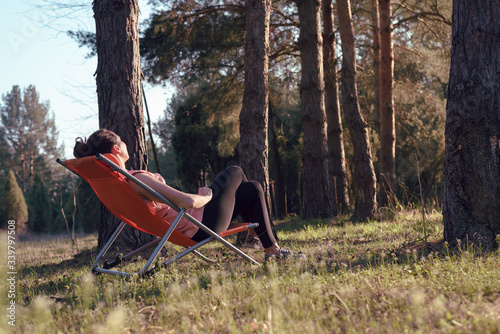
(179, 198)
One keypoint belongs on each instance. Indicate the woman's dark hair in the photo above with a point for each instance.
(100, 141)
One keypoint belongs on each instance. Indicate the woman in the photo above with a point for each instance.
(229, 196)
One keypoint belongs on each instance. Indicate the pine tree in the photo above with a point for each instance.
(472, 176)
(337, 170)
(253, 146)
(119, 94)
(386, 112)
(12, 204)
(203, 137)
(315, 185)
(29, 134)
(5, 156)
(364, 174)
(40, 207)
(86, 220)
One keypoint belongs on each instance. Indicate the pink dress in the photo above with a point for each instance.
(167, 213)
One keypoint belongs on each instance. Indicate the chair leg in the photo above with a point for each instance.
(189, 250)
(151, 259)
(120, 257)
(203, 257)
(107, 246)
(142, 249)
(226, 243)
(146, 271)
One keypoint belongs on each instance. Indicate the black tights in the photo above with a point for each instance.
(233, 196)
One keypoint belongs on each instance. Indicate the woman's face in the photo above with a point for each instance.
(122, 151)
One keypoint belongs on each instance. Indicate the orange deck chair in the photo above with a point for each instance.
(109, 183)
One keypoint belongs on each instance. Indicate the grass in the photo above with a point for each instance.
(374, 277)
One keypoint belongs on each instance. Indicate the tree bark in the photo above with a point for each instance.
(387, 121)
(472, 134)
(253, 146)
(278, 189)
(336, 161)
(315, 183)
(364, 175)
(119, 95)
(376, 64)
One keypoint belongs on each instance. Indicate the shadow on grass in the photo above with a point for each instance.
(295, 224)
(329, 258)
(85, 258)
(82, 259)
(361, 252)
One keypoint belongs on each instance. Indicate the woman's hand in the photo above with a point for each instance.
(205, 194)
(205, 191)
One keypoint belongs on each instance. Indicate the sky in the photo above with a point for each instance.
(35, 50)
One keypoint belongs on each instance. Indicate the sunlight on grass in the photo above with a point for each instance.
(365, 277)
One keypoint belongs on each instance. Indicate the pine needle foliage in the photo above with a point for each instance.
(12, 203)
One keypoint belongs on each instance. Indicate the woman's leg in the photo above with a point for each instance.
(251, 205)
(233, 195)
(218, 213)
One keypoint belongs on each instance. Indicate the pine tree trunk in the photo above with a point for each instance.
(253, 146)
(387, 121)
(278, 193)
(364, 175)
(376, 64)
(336, 162)
(312, 96)
(118, 79)
(472, 135)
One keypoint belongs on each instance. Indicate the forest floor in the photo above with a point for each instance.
(374, 277)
